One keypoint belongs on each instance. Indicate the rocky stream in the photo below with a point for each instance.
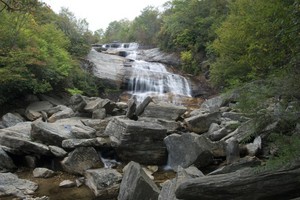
(139, 149)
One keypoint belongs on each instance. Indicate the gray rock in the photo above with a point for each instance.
(242, 132)
(97, 124)
(57, 151)
(122, 105)
(99, 113)
(55, 100)
(32, 115)
(254, 147)
(81, 159)
(78, 102)
(43, 173)
(100, 103)
(73, 121)
(67, 184)
(80, 181)
(23, 145)
(131, 108)
(164, 111)
(10, 184)
(40, 106)
(232, 151)
(138, 140)
(6, 163)
(11, 119)
(235, 116)
(137, 185)
(218, 135)
(155, 55)
(83, 132)
(94, 142)
(190, 148)
(169, 187)
(105, 183)
(141, 107)
(50, 133)
(242, 163)
(212, 105)
(212, 128)
(64, 112)
(21, 130)
(201, 122)
(170, 125)
(31, 161)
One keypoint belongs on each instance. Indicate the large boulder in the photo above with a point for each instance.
(105, 183)
(200, 123)
(10, 184)
(137, 185)
(6, 163)
(190, 148)
(50, 133)
(164, 111)
(22, 145)
(99, 103)
(93, 142)
(11, 119)
(169, 187)
(81, 159)
(97, 124)
(138, 140)
(64, 112)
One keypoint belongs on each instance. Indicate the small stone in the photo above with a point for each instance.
(67, 184)
(43, 173)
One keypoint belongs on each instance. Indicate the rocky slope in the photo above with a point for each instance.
(91, 138)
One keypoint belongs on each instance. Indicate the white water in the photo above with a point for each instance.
(152, 79)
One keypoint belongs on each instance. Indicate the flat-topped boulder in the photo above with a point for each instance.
(138, 141)
(50, 133)
(164, 111)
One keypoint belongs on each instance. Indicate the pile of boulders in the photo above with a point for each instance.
(90, 137)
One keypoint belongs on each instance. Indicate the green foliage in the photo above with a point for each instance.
(33, 57)
(77, 32)
(189, 26)
(287, 151)
(145, 27)
(117, 31)
(74, 91)
(258, 39)
(188, 63)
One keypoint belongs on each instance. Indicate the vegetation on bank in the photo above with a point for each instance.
(40, 50)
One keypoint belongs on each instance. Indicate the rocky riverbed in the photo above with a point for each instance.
(94, 148)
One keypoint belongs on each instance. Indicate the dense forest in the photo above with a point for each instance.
(238, 42)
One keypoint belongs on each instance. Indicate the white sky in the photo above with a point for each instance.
(99, 13)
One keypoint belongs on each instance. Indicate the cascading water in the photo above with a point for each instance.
(153, 79)
(150, 78)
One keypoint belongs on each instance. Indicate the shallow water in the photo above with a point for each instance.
(50, 186)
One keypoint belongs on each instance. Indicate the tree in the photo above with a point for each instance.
(117, 31)
(258, 40)
(189, 26)
(77, 32)
(145, 27)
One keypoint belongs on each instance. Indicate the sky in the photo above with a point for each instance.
(99, 13)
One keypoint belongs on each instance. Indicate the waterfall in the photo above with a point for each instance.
(153, 79)
(148, 78)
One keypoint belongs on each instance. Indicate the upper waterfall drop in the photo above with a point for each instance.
(142, 78)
